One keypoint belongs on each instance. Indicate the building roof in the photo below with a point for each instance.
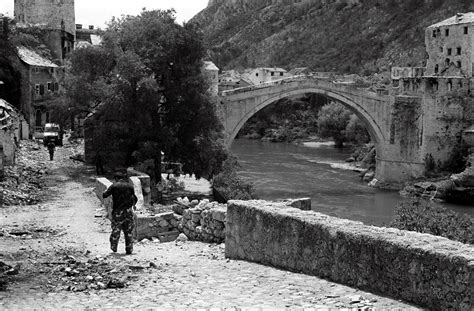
(459, 18)
(33, 59)
(273, 69)
(210, 66)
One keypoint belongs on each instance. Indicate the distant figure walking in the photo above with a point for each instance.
(51, 146)
(99, 164)
(124, 199)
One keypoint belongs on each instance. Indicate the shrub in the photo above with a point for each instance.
(230, 185)
(424, 216)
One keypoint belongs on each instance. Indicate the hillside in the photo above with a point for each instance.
(351, 36)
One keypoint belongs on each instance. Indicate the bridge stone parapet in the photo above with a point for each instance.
(429, 271)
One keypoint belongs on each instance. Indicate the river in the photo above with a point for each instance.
(281, 171)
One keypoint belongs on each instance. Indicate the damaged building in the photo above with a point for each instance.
(12, 128)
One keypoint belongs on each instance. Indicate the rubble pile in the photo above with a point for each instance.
(202, 220)
(23, 182)
(98, 273)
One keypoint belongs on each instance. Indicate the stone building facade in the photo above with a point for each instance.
(450, 47)
(41, 84)
(438, 97)
(57, 17)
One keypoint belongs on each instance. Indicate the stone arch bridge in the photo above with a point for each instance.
(398, 151)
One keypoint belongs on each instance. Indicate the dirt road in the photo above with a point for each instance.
(66, 262)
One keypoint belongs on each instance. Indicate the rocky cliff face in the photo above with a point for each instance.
(325, 35)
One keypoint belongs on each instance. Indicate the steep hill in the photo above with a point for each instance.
(361, 36)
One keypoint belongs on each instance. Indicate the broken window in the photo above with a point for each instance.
(436, 69)
(256, 74)
(450, 51)
(281, 74)
(272, 73)
(458, 63)
(50, 86)
(446, 32)
(466, 30)
(447, 61)
(458, 51)
(434, 33)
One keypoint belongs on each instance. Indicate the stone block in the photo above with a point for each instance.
(166, 216)
(163, 223)
(196, 218)
(101, 185)
(219, 213)
(303, 204)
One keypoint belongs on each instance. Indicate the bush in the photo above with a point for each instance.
(230, 185)
(425, 217)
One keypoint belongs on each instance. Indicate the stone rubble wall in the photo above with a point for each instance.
(163, 226)
(429, 271)
(203, 221)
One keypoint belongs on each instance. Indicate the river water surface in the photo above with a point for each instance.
(281, 171)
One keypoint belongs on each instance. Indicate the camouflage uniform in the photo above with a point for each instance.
(122, 213)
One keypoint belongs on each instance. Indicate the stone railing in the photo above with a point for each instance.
(163, 226)
(429, 271)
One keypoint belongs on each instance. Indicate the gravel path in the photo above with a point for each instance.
(66, 263)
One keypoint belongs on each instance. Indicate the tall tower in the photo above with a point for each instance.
(58, 16)
(52, 13)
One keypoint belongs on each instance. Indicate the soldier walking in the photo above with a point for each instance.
(124, 199)
(51, 146)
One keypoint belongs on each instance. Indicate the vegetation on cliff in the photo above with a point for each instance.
(337, 36)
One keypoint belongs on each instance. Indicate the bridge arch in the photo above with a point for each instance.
(374, 129)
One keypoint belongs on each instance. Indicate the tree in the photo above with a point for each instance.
(151, 69)
(356, 131)
(332, 122)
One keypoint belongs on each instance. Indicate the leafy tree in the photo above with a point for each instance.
(230, 185)
(150, 69)
(332, 122)
(356, 131)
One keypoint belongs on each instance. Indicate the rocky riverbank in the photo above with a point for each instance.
(457, 188)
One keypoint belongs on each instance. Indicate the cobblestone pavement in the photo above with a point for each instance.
(176, 275)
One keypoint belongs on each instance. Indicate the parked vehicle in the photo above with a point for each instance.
(52, 132)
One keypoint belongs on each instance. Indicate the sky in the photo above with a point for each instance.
(98, 12)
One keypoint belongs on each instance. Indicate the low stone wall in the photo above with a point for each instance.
(204, 221)
(429, 271)
(101, 184)
(163, 226)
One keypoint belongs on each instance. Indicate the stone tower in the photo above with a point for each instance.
(53, 13)
(57, 16)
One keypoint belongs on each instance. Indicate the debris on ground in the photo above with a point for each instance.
(23, 182)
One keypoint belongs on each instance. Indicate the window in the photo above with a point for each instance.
(446, 32)
(447, 61)
(37, 89)
(458, 51)
(458, 63)
(41, 87)
(272, 73)
(450, 85)
(441, 49)
(434, 33)
(50, 86)
(466, 30)
(56, 87)
(436, 69)
(450, 51)
(281, 74)
(256, 74)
